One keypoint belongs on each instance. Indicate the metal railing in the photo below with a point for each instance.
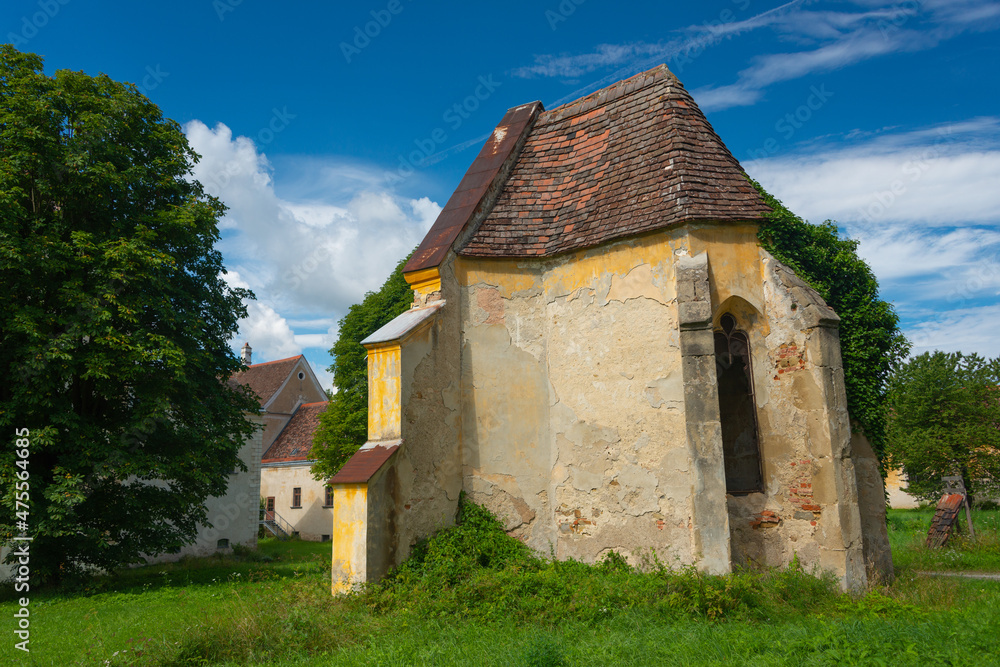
(275, 524)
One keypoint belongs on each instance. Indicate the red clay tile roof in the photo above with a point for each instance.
(295, 440)
(266, 378)
(634, 157)
(476, 192)
(366, 462)
(631, 158)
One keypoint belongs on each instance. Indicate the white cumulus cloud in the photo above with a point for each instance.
(309, 257)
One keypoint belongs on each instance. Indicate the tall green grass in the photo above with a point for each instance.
(473, 595)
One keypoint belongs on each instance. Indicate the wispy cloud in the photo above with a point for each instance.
(631, 58)
(834, 39)
(942, 175)
(962, 330)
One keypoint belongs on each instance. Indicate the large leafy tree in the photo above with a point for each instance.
(343, 427)
(944, 419)
(871, 343)
(115, 323)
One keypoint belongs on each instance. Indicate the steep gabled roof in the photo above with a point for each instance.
(265, 379)
(634, 157)
(294, 443)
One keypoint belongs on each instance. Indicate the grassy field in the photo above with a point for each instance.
(474, 597)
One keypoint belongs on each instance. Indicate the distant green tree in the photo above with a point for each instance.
(343, 427)
(115, 324)
(944, 419)
(871, 343)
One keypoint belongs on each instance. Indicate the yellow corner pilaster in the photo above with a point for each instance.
(384, 392)
(350, 536)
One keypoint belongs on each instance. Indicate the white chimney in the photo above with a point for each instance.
(245, 353)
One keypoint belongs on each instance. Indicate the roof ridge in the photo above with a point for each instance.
(615, 91)
(276, 361)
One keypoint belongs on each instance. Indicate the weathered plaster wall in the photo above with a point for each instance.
(312, 520)
(572, 397)
(871, 505)
(428, 466)
(383, 538)
(809, 506)
(895, 482)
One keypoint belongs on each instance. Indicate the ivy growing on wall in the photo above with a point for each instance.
(871, 342)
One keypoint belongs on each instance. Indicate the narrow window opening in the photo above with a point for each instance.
(222, 544)
(328, 500)
(297, 497)
(740, 443)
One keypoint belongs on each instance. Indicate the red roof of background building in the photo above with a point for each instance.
(265, 379)
(294, 443)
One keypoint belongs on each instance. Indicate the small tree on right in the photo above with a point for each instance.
(944, 419)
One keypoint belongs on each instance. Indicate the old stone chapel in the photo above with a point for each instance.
(600, 352)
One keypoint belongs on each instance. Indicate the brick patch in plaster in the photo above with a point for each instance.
(573, 521)
(766, 519)
(789, 358)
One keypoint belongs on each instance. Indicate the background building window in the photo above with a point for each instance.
(297, 496)
(328, 501)
(222, 544)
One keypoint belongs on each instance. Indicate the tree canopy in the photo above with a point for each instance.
(343, 427)
(944, 419)
(871, 343)
(115, 323)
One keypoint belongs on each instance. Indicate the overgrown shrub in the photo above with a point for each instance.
(474, 569)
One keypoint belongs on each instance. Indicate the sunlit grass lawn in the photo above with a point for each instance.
(908, 532)
(279, 611)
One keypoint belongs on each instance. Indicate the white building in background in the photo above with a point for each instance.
(297, 502)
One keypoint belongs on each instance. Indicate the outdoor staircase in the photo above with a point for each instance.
(275, 524)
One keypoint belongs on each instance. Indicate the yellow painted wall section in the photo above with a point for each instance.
(384, 392)
(350, 536)
(734, 261)
(583, 269)
(424, 282)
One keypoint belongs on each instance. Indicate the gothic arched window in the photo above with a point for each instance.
(740, 446)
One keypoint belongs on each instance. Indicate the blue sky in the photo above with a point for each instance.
(336, 131)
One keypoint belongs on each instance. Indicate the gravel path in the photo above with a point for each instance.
(968, 575)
